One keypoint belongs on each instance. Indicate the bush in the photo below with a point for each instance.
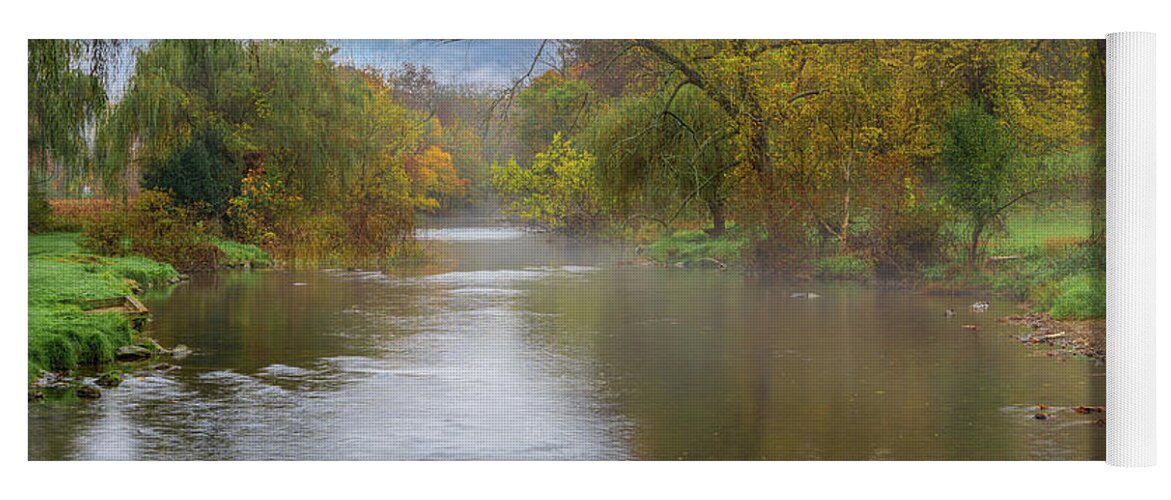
(108, 235)
(75, 214)
(162, 231)
(156, 229)
(40, 213)
(262, 209)
(903, 242)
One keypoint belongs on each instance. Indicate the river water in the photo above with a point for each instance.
(514, 345)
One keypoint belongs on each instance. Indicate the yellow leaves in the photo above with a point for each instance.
(558, 189)
(434, 178)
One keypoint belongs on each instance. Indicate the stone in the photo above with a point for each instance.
(180, 351)
(164, 367)
(131, 353)
(109, 379)
(87, 392)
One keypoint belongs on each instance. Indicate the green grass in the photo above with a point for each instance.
(1031, 227)
(239, 254)
(690, 245)
(61, 276)
(843, 267)
(1082, 296)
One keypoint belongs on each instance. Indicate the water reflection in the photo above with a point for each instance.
(527, 346)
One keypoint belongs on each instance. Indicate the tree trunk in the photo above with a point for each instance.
(716, 208)
(844, 234)
(974, 249)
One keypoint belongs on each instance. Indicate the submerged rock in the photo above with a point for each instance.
(87, 392)
(109, 379)
(164, 367)
(707, 263)
(180, 351)
(131, 353)
(50, 380)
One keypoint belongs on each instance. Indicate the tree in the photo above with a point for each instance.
(551, 105)
(557, 190)
(180, 89)
(434, 178)
(66, 94)
(203, 174)
(668, 149)
(981, 176)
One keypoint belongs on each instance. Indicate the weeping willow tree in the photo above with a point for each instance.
(180, 89)
(199, 117)
(66, 95)
(284, 103)
(666, 150)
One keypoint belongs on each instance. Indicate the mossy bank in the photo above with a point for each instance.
(63, 277)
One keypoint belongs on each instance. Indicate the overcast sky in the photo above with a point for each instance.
(461, 62)
(491, 63)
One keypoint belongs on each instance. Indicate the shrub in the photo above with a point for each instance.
(263, 206)
(162, 231)
(1058, 245)
(108, 235)
(902, 242)
(40, 213)
(75, 214)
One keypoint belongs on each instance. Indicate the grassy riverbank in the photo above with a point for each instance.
(1040, 258)
(63, 275)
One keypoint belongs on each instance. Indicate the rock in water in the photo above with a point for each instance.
(164, 367)
(88, 392)
(180, 351)
(131, 353)
(109, 379)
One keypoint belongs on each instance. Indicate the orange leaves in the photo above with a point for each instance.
(434, 177)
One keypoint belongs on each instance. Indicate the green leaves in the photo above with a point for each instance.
(556, 190)
(978, 154)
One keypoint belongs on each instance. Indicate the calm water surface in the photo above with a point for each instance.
(528, 346)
